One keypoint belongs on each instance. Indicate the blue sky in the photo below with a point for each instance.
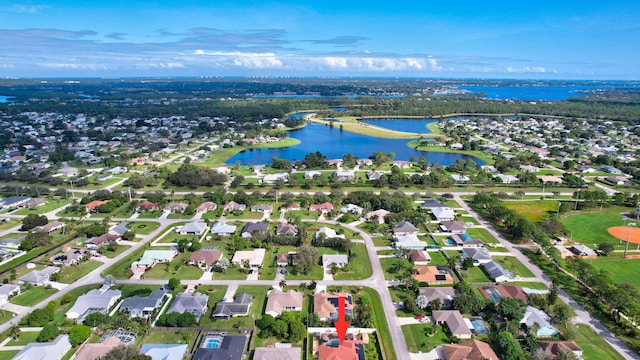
(492, 39)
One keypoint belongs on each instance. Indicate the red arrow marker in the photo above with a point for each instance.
(341, 325)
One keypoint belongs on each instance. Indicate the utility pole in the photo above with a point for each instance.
(628, 238)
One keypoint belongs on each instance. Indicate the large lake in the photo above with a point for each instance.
(334, 143)
(532, 92)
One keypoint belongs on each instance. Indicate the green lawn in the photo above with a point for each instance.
(169, 270)
(69, 274)
(189, 273)
(530, 285)
(9, 224)
(618, 268)
(533, 210)
(482, 234)
(33, 296)
(8, 354)
(5, 316)
(389, 267)
(382, 241)
(230, 274)
(474, 275)
(144, 227)
(437, 258)
(49, 206)
(591, 227)
(25, 338)
(111, 254)
(594, 347)
(215, 294)
(122, 269)
(317, 273)
(514, 265)
(359, 265)
(417, 340)
(171, 337)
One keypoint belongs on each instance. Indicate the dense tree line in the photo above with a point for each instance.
(189, 175)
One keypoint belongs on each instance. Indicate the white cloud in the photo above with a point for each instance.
(24, 9)
(526, 69)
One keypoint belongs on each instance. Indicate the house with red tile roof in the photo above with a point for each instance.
(348, 350)
(324, 207)
(92, 206)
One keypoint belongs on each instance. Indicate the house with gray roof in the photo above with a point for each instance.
(39, 277)
(536, 316)
(97, 300)
(581, 250)
(340, 260)
(13, 242)
(143, 307)
(194, 228)
(444, 294)
(249, 229)
(223, 229)
(432, 204)
(15, 201)
(49, 228)
(7, 291)
(454, 321)
(453, 226)
(231, 348)
(479, 255)
(45, 351)
(238, 307)
(195, 303)
(443, 214)
(277, 353)
(404, 228)
(119, 229)
(409, 242)
(165, 351)
(497, 273)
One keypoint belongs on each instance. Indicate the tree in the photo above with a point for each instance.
(78, 334)
(33, 220)
(507, 347)
(306, 258)
(422, 302)
(605, 248)
(96, 319)
(511, 308)
(48, 333)
(14, 332)
(435, 304)
(297, 331)
(125, 352)
(174, 283)
(280, 329)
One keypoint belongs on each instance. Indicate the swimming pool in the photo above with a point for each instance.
(479, 325)
(465, 237)
(449, 242)
(333, 343)
(212, 341)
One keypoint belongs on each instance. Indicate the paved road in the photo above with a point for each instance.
(582, 316)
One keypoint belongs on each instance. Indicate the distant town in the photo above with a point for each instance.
(228, 218)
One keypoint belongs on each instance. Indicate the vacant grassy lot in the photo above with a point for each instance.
(359, 264)
(171, 337)
(144, 227)
(417, 339)
(111, 254)
(594, 347)
(482, 234)
(619, 268)
(69, 274)
(50, 205)
(474, 275)
(533, 210)
(33, 296)
(514, 265)
(591, 227)
(530, 285)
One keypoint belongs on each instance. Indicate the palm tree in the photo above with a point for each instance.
(14, 332)
(282, 284)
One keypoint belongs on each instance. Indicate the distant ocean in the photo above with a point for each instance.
(543, 92)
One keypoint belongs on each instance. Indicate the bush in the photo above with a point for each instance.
(78, 334)
(48, 333)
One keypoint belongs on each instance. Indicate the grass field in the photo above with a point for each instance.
(171, 337)
(474, 275)
(514, 265)
(594, 347)
(144, 227)
(482, 234)
(33, 296)
(533, 210)
(417, 340)
(69, 274)
(530, 285)
(591, 227)
(359, 264)
(350, 123)
(50, 205)
(25, 338)
(618, 268)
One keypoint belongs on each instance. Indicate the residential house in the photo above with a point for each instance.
(453, 226)
(165, 351)
(432, 204)
(374, 175)
(380, 214)
(96, 300)
(238, 307)
(364, 162)
(325, 305)
(546, 179)
(404, 228)
(223, 229)
(147, 206)
(497, 292)
(348, 350)
(583, 251)
(497, 273)
(175, 207)
(351, 209)
(15, 201)
(408, 242)
(339, 260)
(323, 208)
(206, 206)
(289, 207)
(433, 275)
(479, 255)
(12, 242)
(7, 291)
(508, 179)
(120, 229)
(274, 178)
(69, 257)
(194, 303)
(454, 321)
(555, 348)
(282, 260)
(287, 229)
(529, 168)
(49, 228)
(39, 277)
(34, 203)
(231, 348)
(194, 228)
(444, 294)
(254, 257)
(443, 214)
(143, 307)
(91, 351)
(151, 257)
(277, 353)
(263, 208)
(419, 257)
(401, 164)
(54, 350)
(469, 350)
(465, 240)
(97, 242)
(460, 178)
(93, 205)
(345, 175)
(234, 206)
(536, 316)
(310, 174)
(278, 301)
(618, 180)
(327, 233)
(251, 228)
(611, 170)
(205, 258)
